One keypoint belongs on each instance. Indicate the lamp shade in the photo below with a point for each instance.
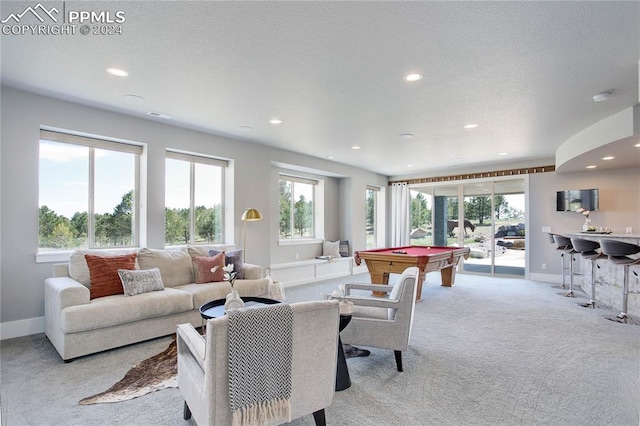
(251, 215)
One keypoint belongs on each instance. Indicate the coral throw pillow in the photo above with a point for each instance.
(103, 273)
(204, 264)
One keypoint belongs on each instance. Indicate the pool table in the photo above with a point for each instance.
(382, 262)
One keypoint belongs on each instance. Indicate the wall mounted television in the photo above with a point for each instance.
(571, 200)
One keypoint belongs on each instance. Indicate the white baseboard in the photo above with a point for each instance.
(546, 278)
(26, 327)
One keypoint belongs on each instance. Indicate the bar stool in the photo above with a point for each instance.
(564, 244)
(559, 248)
(618, 253)
(588, 250)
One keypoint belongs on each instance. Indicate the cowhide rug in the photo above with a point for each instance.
(155, 373)
(161, 372)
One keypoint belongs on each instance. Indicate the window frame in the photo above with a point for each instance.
(376, 197)
(318, 206)
(94, 142)
(193, 159)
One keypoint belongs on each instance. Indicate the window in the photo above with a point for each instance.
(297, 207)
(194, 188)
(88, 192)
(371, 216)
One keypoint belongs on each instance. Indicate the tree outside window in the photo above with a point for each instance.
(194, 199)
(296, 207)
(87, 196)
(371, 199)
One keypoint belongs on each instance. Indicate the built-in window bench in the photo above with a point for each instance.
(311, 270)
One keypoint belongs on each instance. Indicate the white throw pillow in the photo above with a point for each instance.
(140, 281)
(331, 248)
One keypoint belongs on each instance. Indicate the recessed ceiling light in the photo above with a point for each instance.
(356, 147)
(503, 153)
(244, 128)
(610, 157)
(409, 165)
(637, 145)
(275, 121)
(134, 98)
(413, 77)
(601, 97)
(455, 158)
(470, 126)
(591, 166)
(330, 157)
(117, 72)
(160, 115)
(405, 136)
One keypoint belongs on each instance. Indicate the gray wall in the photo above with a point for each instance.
(619, 208)
(254, 180)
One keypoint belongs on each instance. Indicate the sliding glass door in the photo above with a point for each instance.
(487, 216)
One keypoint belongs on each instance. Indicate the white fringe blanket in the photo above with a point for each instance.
(260, 358)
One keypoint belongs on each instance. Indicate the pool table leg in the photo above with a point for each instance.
(379, 278)
(448, 276)
(421, 277)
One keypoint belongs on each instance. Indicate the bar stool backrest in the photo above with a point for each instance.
(618, 248)
(562, 242)
(582, 245)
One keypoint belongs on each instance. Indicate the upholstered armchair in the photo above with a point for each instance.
(205, 364)
(383, 322)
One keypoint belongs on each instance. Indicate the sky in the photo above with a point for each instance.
(64, 180)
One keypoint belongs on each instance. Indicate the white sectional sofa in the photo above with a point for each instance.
(77, 325)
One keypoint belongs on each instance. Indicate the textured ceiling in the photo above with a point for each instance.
(525, 72)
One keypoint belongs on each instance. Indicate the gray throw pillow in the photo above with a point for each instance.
(140, 281)
(344, 248)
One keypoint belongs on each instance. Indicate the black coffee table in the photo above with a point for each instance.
(215, 308)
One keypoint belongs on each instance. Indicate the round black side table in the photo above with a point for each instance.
(343, 381)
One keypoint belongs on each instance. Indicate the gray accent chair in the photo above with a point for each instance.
(383, 322)
(203, 365)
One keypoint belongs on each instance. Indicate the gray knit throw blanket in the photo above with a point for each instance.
(260, 358)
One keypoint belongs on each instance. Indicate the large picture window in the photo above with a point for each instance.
(297, 207)
(194, 199)
(87, 192)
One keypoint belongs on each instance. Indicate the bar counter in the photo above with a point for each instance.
(609, 276)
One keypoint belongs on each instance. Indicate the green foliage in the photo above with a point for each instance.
(478, 209)
(303, 216)
(420, 213)
(285, 209)
(370, 209)
(302, 213)
(176, 226)
(116, 229)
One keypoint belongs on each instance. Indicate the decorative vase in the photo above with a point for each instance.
(233, 301)
(587, 224)
(346, 307)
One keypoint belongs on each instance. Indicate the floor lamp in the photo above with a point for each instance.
(249, 215)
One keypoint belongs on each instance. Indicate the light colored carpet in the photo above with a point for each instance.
(484, 352)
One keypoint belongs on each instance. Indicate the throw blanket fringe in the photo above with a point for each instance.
(260, 364)
(261, 413)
